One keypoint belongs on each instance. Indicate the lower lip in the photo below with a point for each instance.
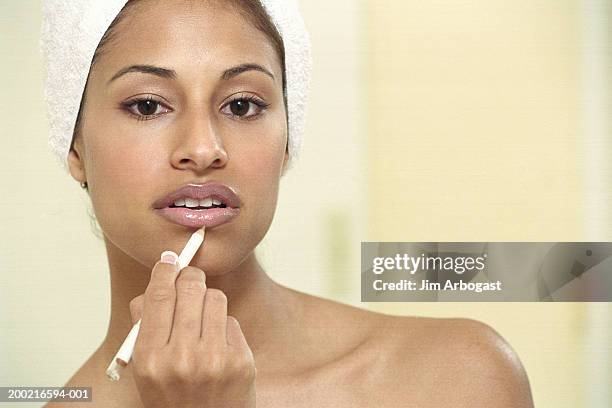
(198, 218)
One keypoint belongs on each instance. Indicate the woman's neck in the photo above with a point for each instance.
(267, 311)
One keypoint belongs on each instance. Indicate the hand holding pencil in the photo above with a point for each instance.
(187, 351)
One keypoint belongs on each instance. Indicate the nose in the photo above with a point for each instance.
(199, 146)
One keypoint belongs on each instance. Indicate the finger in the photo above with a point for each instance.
(159, 300)
(136, 308)
(214, 320)
(190, 291)
(235, 336)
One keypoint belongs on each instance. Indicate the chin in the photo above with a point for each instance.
(215, 266)
(218, 257)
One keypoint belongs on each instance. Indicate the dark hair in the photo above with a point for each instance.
(252, 10)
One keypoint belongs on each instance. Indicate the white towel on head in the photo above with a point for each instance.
(72, 29)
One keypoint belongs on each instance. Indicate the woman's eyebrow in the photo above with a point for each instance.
(145, 69)
(239, 69)
(171, 74)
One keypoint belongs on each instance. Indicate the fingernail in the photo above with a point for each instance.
(169, 257)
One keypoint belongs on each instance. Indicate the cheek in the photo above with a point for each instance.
(260, 150)
(257, 165)
(260, 166)
(122, 170)
(120, 159)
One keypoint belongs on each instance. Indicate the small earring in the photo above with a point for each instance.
(84, 185)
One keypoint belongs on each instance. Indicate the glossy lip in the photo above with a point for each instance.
(199, 218)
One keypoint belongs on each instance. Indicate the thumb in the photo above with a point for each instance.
(136, 308)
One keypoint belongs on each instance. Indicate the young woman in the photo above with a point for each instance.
(184, 99)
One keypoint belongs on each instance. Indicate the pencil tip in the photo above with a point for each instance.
(201, 231)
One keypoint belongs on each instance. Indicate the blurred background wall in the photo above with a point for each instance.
(489, 121)
(467, 120)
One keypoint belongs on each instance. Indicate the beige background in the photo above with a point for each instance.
(482, 120)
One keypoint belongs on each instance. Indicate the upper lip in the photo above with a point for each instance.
(200, 191)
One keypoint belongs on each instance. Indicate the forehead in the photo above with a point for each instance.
(187, 35)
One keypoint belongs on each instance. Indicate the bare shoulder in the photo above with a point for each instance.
(467, 363)
(421, 361)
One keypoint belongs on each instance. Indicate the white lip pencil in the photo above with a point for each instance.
(124, 354)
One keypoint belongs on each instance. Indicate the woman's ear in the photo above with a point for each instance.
(76, 164)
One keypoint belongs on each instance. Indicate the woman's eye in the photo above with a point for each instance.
(146, 108)
(244, 107)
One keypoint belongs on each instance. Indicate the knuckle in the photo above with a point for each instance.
(160, 272)
(191, 324)
(191, 272)
(159, 294)
(145, 369)
(136, 303)
(185, 368)
(190, 281)
(233, 326)
(243, 368)
(215, 368)
(250, 373)
(190, 287)
(216, 296)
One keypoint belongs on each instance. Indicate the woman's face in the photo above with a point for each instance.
(134, 153)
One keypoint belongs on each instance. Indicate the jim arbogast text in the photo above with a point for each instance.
(427, 285)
